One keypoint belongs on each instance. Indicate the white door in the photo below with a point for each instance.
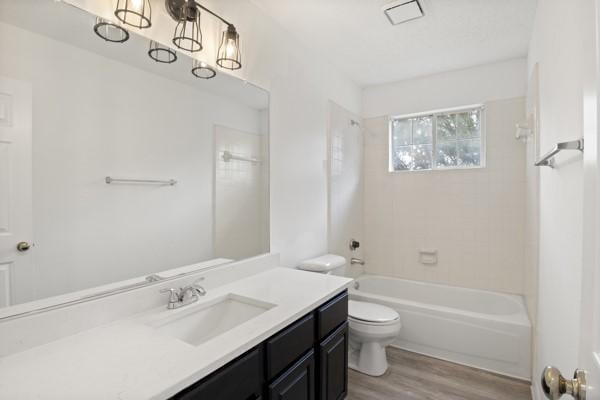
(586, 382)
(589, 352)
(16, 278)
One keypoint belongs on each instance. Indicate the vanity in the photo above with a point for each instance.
(306, 360)
(260, 332)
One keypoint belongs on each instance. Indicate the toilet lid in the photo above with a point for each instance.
(371, 312)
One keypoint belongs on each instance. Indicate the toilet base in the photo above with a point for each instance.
(369, 359)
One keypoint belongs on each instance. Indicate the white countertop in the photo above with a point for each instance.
(129, 360)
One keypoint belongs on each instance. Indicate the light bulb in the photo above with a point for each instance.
(230, 49)
(137, 5)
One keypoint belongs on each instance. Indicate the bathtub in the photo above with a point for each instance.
(481, 329)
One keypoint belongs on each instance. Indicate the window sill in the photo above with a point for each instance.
(442, 170)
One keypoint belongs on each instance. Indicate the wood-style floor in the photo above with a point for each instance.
(416, 377)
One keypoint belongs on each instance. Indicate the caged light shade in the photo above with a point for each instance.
(202, 70)
(188, 35)
(136, 13)
(110, 32)
(229, 55)
(161, 54)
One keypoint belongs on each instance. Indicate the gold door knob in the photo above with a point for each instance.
(23, 246)
(555, 385)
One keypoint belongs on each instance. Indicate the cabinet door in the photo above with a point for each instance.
(333, 365)
(242, 379)
(297, 383)
(331, 315)
(289, 345)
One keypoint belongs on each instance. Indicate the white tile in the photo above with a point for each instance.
(474, 217)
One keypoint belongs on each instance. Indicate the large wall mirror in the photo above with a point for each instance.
(117, 169)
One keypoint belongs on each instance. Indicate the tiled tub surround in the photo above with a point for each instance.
(128, 359)
(474, 218)
(481, 329)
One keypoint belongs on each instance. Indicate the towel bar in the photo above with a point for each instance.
(548, 159)
(170, 182)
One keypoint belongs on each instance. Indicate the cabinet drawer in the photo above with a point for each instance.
(297, 383)
(332, 359)
(331, 315)
(288, 345)
(240, 380)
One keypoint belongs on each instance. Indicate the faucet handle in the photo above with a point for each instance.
(174, 294)
(200, 289)
(196, 288)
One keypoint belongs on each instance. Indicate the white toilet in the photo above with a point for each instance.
(372, 326)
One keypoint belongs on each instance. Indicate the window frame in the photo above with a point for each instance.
(434, 115)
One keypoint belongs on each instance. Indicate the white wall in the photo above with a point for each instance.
(557, 48)
(94, 117)
(301, 85)
(474, 218)
(502, 80)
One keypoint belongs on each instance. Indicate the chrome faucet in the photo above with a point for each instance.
(356, 261)
(184, 296)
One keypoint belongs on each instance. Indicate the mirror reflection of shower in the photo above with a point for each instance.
(240, 181)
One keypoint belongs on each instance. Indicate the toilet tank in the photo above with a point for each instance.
(323, 264)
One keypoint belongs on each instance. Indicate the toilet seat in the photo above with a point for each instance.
(371, 314)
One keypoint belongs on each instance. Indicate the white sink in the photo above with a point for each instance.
(200, 323)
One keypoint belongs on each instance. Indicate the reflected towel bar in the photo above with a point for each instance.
(227, 156)
(170, 182)
(548, 159)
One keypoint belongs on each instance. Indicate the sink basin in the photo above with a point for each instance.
(200, 323)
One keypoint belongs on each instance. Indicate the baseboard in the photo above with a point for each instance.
(536, 392)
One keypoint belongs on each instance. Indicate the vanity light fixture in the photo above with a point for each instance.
(187, 12)
(188, 35)
(136, 13)
(161, 54)
(202, 70)
(229, 55)
(110, 32)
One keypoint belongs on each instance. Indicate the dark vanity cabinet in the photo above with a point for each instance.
(333, 365)
(308, 360)
(297, 382)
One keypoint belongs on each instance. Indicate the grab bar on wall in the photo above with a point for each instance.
(548, 159)
(170, 182)
(228, 156)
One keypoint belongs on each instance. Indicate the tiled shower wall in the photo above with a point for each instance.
(474, 218)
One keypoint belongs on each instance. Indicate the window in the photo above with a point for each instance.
(445, 140)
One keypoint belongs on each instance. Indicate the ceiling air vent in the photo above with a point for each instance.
(402, 11)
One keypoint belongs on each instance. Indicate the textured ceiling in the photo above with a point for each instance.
(355, 35)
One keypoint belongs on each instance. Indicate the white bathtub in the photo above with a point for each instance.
(481, 329)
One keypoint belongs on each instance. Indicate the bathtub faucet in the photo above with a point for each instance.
(357, 261)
